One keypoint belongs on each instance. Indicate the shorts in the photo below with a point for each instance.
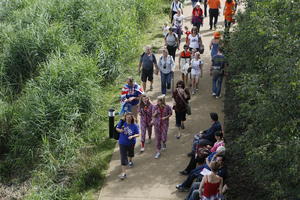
(147, 74)
(125, 152)
(198, 49)
(195, 73)
(180, 116)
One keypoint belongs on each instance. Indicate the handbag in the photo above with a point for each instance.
(187, 106)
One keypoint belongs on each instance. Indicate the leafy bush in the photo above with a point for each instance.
(262, 103)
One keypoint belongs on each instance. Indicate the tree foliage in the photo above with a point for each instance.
(262, 103)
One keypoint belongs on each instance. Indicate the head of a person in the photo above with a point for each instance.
(228, 1)
(194, 30)
(148, 49)
(170, 30)
(214, 166)
(217, 35)
(161, 101)
(165, 52)
(186, 47)
(197, 55)
(214, 116)
(145, 99)
(186, 28)
(180, 84)
(129, 118)
(220, 159)
(198, 5)
(218, 135)
(194, 51)
(130, 81)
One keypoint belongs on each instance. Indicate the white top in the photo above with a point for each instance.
(166, 65)
(165, 30)
(178, 20)
(196, 64)
(175, 6)
(194, 41)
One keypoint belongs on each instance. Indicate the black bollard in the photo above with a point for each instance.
(111, 122)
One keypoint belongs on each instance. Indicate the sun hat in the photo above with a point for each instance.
(198, 4)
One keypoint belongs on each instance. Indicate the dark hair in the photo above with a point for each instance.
(214, 116)
(229, 1)
(219, 133)
(180, 82)
(223, 157)
(171, 29)
(132, 117)
(185, 46)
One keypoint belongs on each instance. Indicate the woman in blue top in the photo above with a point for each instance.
(214, 44)
(128, 132)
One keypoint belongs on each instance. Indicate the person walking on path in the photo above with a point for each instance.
(197, 71)
(211, 184)
(160, 119)
(184, 63)
(205, 8)
(177, 25)
(172, 43)
(217, 73)
(130, 97)
(166, 66)
(181, 96)
(128, 132)
(214, 6)
(145, 110)
(229, 10)
(147, 62)
(214, 44)
(197, 16)
(175, 5)
(195, 40)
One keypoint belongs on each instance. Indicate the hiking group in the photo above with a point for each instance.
(206, 170)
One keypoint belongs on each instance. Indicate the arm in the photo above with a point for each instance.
(172, 64)
(169, 113)
(221, 186)
(120, 130)
(136, 131)
(179, 62)
(201, 69)
(201, 186)
(140, 64)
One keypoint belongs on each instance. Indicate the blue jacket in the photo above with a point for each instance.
(210, 133)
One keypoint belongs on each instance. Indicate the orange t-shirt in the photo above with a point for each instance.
(229, 10)
(214, 4)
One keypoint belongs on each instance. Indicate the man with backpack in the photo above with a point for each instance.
(147, 60)
(172, 42)
(175, 5)
(217, 73)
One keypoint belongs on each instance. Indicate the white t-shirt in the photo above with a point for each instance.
(178, 20)
(175, 6)
(196, 64)
(194, 41)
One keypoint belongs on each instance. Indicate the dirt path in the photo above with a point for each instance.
(156, 179)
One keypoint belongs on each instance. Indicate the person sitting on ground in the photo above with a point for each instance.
(130, 97)
(207, 137)
(194, 193)
(196, 173)
(219, 142)
(147, 62)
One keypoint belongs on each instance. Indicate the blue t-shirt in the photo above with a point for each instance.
(129, 130)
(133, 92)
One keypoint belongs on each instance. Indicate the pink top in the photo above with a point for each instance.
(216, 145)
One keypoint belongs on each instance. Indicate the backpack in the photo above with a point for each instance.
(179, 7)
(116, 134)
(176, 37)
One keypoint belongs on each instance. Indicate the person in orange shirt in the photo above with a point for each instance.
(229, 11)
(214, 6)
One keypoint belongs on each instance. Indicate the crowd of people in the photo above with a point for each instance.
(206, 171)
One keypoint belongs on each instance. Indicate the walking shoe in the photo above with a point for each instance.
(157, 155)
(178, 137)
(180, 188)
(122, 176)
(164, 146)
(130, 164)
(213, 94)
(217, 97)
(142, 149)
(184, 172)
(193, 92)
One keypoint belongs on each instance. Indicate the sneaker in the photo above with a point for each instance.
(142, 149)
(193, 92)
(184, 172)
(213, 94)
(180, 188)
(122, 176)
(164, 146)
(130, 164)
(217, 97)
(157, 155)
(178, 137)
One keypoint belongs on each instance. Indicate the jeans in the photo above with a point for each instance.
(165, 82)
(194, 192)
(195, 173)
(213, 14)
(217, 84)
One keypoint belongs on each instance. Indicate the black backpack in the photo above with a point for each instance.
(116, 134)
